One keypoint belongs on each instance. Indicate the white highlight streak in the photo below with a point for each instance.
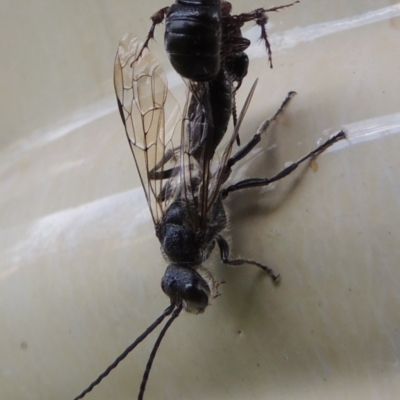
(109, 221)
(287, 39)
(293, 37)
(370, 129)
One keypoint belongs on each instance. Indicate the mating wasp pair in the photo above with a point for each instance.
(184, 164)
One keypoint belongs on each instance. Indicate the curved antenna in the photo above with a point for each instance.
(153, 353)
(157, 322)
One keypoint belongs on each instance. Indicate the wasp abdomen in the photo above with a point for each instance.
(193, 38)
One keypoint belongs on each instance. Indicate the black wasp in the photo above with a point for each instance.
(201, 35)
(182, 180)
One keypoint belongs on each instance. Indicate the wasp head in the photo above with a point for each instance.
(193, 286)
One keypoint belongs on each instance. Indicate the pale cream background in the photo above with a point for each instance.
(80, 266)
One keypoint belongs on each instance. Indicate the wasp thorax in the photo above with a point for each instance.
(185, 284)
(179, 243)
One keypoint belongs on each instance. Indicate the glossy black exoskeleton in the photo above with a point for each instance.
(182, 180)
(202, 34)
(202, 37)
(210, 108)
(192, 37)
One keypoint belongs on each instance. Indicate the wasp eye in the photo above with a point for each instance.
(196, 295)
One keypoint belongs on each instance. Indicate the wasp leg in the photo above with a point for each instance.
(157, 18)
(256, 182)
(159, 173)
(169, 154)
(260, 17)
(224, 250)
(257, 137)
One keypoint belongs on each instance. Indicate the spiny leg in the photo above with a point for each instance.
(157, 18)
(256, 182)
(257, 137)
(261, 19)
(224, 250)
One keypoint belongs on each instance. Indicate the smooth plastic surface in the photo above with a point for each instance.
(80, 266)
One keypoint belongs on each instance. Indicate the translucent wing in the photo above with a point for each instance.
(151, 117)
(196, 141)
(199, 143)
(221, 174)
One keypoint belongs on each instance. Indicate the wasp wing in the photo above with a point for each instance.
(202, 136)
(221, 172)
(151, 117)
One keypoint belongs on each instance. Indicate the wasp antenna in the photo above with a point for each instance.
(154, 325)
(153, 353)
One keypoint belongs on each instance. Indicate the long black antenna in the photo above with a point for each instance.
(153, 353)
(157, 322)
